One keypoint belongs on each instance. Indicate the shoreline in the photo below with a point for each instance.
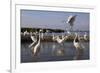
(49, 39)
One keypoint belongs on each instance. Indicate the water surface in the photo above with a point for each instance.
(46, 52)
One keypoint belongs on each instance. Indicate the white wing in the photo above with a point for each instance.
(69, 18)
(60, 40)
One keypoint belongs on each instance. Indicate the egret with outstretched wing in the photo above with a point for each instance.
(71, 20)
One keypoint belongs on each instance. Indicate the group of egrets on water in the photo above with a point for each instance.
(36, 38)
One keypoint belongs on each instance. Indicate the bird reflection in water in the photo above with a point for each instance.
(60, 41)
(60, 52)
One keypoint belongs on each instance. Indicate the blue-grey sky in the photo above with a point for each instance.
(53, 19)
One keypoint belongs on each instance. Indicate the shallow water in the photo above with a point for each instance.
(48, 50)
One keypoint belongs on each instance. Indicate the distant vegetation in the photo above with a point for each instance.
(44, 30)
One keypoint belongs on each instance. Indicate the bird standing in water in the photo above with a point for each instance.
(36, 45)
(26, 33)
(60, 40)
(34, 39)
(85, 36)
(79, 47)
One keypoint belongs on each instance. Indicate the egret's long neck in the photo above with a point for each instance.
(53, 37)
(76, 39)
(39, 37)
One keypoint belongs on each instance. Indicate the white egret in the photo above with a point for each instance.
(46, 34)
(34, 41)
(71, 20)
(26, 33)
(79, 47)
(58, 52)
(85, 36)
(33, 37)
(36, 48)
(53, 37)
(42, 34)
(61, 51)
(60, 40)
(35, 33)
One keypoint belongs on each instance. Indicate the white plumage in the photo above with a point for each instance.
(42, 34)
(59, 40)
(36, 48)
(79, 47)
(77, 43)
(85, 36)
(34, 41)
(61, 51)
(25, 33)
(33, 38)
(71, 20)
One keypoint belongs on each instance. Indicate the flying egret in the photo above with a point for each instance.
(71, 20)
(79, 47)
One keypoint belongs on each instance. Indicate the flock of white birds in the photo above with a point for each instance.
(35, 45)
